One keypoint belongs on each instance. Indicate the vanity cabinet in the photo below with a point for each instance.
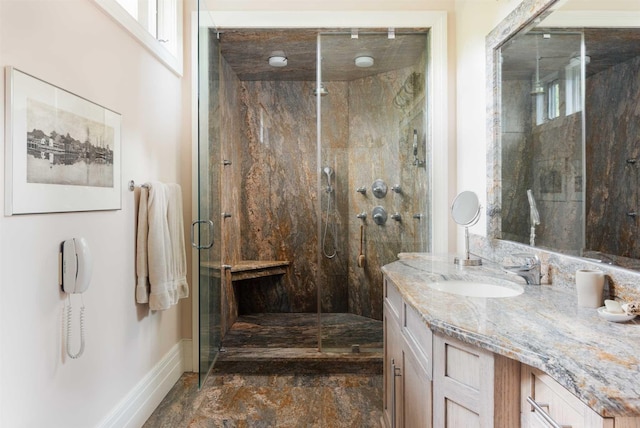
(473, 387)
(407, 364)
(545, 402)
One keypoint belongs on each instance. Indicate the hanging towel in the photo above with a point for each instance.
(161, 260)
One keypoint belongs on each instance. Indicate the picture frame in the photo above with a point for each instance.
(62, 151)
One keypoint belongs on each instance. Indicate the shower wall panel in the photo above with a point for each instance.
(279, 193)
(384, 112)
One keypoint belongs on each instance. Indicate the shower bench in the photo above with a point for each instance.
(250, 269)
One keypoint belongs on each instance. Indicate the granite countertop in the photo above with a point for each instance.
(597, 360)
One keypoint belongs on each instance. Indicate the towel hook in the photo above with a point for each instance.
(132, 185)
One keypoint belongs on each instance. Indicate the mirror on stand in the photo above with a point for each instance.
(465, 211)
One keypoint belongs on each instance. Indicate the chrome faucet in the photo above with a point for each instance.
(530, 271)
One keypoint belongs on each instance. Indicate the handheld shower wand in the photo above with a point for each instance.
(328, 171)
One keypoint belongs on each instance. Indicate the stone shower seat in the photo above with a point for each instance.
(251, 269)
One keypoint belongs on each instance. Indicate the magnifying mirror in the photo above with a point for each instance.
(465, 211)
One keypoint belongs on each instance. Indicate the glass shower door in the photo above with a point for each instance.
(373, 176)
(207, 227)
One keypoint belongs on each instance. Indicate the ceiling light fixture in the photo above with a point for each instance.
(364, 61)
(277, 59)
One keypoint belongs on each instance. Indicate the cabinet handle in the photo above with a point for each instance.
(537, 407)
(395, 372)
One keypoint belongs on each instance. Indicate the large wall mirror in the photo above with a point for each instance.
(566, 129)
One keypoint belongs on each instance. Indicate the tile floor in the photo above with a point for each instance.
(272, 376)
(236, 400)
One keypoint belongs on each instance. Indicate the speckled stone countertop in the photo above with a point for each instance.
(597, 360)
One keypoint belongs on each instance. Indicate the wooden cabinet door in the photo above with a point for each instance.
(416, 392)
(392, 368)
(553, 401)
(473, 387)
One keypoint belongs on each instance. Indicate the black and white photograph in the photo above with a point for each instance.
(63, 151)
(64, 148)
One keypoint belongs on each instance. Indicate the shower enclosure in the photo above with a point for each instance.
(314, 177)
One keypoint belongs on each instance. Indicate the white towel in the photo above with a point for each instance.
(161, 260)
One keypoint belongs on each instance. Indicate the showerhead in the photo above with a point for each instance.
(328, 171)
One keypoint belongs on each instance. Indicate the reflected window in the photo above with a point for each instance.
(573, 95)
(553, 99)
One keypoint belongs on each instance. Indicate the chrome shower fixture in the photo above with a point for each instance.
(328, 172)
(330, 218)
(322, 90)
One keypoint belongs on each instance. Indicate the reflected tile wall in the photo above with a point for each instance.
(613, 128)
(545, 158)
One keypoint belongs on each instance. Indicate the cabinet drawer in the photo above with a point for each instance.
(419, 336)
(543, 399)
(393, 298)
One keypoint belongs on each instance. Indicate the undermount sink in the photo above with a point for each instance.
(477, 289)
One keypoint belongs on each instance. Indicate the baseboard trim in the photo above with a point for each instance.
(136, 407)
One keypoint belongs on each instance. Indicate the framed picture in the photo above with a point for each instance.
(62, 152)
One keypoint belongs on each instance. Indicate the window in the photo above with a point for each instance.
(157, 24)
(553, 99)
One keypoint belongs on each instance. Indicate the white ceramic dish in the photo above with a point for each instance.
(602, 311)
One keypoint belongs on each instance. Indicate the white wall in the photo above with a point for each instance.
(74, 45)
(474, 20)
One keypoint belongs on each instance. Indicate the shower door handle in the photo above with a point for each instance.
(193, 228)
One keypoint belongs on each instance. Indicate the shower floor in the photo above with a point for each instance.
(288, 343)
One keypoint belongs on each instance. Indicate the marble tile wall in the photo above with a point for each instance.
(384, 111)
(268, 131)
(278, 186)
(613, 137)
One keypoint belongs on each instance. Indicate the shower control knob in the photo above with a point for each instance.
(396, 188)
(418, 216)
(396, 217)
(362, 189)
(379, 188)
(379, 215)
(362, 215)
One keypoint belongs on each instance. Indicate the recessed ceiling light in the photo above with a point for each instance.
(277, 59)
(364, 61)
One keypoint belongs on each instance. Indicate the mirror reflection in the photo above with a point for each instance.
(570, 135)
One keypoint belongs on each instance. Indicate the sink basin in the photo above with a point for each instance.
(476, 289)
